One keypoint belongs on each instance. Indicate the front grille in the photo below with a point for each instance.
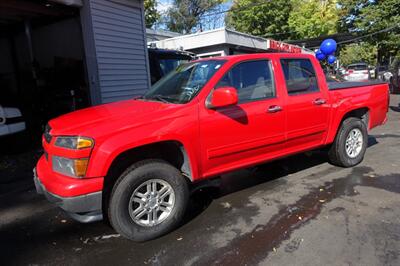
(46, 133)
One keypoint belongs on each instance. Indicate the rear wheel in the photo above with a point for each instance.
(148, 200)
(350, 143)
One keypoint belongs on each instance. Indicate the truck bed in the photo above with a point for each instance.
(352, 84)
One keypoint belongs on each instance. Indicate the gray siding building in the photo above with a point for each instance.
(116, 49)
(90, 51)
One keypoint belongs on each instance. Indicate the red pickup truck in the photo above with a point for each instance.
(133, 161)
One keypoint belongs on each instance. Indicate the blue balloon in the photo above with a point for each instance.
(331, 59)
(320, 55)
(328, 46)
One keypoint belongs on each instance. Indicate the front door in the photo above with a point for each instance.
(249, 132)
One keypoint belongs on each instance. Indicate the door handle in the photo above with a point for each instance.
(319, 101)
(274, 109)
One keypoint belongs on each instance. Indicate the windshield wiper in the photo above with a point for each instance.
(161, 98)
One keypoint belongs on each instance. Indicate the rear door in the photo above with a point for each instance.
(306, 106)
(249, 132)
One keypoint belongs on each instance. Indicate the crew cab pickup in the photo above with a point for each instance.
(133, 161)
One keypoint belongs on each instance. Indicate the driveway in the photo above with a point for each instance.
(296, 211)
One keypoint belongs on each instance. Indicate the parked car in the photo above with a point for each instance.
(357, 72)
(341, 71)
(163, 61)
(11, 121)
(389, 76)
(132, 161)
(383, 71)
(395, 81)
(372, 70)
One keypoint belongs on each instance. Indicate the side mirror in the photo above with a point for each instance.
(222, 97)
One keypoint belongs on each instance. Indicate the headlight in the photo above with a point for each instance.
(70, 167)
(74, 143)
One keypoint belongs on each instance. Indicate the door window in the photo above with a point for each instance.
(300, 76)
(253, 80)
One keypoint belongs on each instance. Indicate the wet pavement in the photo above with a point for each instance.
(296, 211)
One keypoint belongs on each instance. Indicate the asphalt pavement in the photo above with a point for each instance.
(296, 211)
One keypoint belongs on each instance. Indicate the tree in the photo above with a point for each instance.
(313, 18)
(349, 11)
(260, 17)
(186, 15)
(358, 52)
(371, 18)
(151, 13)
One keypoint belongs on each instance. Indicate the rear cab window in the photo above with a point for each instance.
(300, 76)
(253, 80)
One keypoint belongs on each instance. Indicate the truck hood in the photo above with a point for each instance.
(104, 119)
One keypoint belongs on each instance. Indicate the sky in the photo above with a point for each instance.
(163, 5)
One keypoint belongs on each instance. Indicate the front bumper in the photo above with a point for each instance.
(84, 208)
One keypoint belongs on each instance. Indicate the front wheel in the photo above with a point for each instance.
(350, 143)
(148, 200)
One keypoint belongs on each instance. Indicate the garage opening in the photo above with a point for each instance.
(42, 66)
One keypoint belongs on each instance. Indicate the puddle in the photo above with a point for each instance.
(256, 245)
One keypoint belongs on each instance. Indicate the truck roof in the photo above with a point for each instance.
(256, 55)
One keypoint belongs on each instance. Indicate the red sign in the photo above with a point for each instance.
(283, 47)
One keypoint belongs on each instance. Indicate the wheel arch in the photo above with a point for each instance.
(362, 113)
(171, 151)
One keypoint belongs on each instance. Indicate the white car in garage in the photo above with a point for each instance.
(11, 121)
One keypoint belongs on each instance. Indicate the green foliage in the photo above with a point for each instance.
(313, 18)
(349, 11)
(261, 18)
(186, 15)
(151, 14)
(366, 17)
(358, 52)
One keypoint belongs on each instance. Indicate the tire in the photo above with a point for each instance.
(124, 209)
(338, 154)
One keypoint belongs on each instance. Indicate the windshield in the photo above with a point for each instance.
(358, 67)
(183, 83)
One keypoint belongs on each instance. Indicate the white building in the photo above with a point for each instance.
(153, 35)
(221, 42)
